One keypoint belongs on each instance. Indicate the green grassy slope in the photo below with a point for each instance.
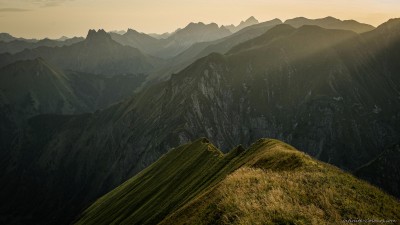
(269, 183)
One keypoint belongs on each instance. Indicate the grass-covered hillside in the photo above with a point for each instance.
(269, 183)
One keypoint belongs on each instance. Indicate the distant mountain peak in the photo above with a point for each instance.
(391, 23)
(330, 18)
(6, 37)
(251, 19)
(131, 31)
(331, 23)
(94, 35)
(195, 25)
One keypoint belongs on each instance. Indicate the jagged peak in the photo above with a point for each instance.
(98, 35)
(193, 25)
(131, 31)
(251, 19)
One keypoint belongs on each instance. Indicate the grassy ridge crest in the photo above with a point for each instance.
(269, 183)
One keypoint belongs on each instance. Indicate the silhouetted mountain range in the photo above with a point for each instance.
(143, 42)
(5, 37)
(15, 46)
(202, 49)
(250, 21)
(183, 38)
(331, 23)
(97, 54)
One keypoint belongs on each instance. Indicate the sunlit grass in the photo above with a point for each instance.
(283, 186)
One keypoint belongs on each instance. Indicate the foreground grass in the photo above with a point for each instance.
(269, 183)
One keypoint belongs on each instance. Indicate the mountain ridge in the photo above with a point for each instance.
(98, 54)
(331, 23)
(186, 196)
(248, 22)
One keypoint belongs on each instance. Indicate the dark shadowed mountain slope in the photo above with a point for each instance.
(327, 92)
(35, 87)
(98, 54)
(32, 87)
(20, 45)
(268, 183)
(383, 171)
(331, 23)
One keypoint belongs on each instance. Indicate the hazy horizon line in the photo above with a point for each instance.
(160, 33)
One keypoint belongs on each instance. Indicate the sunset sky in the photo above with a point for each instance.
(55, 18)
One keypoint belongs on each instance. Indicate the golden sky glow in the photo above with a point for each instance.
(54, 18)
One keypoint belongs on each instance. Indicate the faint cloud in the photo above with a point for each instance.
(6, 10)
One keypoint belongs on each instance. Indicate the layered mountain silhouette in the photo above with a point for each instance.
(15, 46)
(183, 38)
(268, 183)
(141, 41)
(98, 54)
(160, 36)
(331, 23)
(202, 49)
(173, 43)
(250, 21)
(333, 94)
(6, 37)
